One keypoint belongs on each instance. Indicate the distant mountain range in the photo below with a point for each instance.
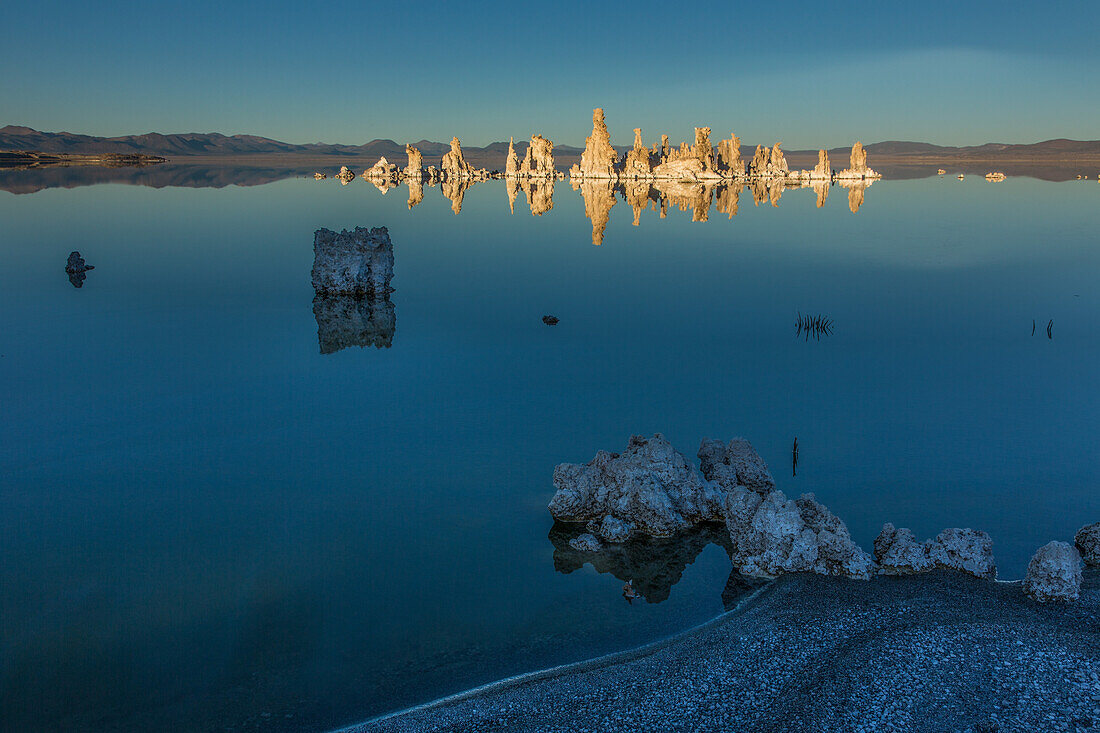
(176, 146)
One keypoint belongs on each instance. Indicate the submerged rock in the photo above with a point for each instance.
(772, 535)
(1054, 573)
(1087, 540)
(735, 464)
(650, 487)
(550, 320)
(358, 263)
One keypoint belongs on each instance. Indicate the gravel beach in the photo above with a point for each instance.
(941, 651)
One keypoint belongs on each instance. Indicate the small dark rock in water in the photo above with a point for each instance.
(550, 320)
(76, 263)
(76, 267)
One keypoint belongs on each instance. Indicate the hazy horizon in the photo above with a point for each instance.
(807, 76)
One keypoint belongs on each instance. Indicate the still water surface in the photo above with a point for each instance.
(208, 524)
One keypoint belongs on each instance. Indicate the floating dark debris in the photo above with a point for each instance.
(813, 326)
(550, 320)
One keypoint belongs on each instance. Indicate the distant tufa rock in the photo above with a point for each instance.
(599, 158)
(454, 165)
(649, 488)
(772, 535)
(320, 176)
(540, 158)
(1054, 573)
(1087, 541)
(729, 157)
(345, 175)
(357, 263)
(415, 167)
(636, 164)
(511, 163)
(383, 169)
(858, 165)
(822, 169)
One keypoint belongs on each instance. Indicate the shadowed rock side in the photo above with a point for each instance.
(351, 278)
(653, 564)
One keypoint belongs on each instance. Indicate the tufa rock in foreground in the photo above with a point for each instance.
(772, 535)
(1054, 573)
(648, 489)
(1087, 540)
(357, 263)
(970, 551)
(735, 464)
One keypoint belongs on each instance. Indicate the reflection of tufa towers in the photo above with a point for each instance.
(351, 278)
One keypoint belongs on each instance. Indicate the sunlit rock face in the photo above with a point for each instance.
(760, 159)
(540, 154)
(653, 564)
(703, 150)
(729, 157)
(599, 158)
(415, 166)
(382, 170)
(511, 162)
(1054, 573)
(636, 164)
(345, 175)
(345, 320)
(778, 164)
(822, 169)
(650, 488)
(357, 263)
(858, 165)
(454, 165)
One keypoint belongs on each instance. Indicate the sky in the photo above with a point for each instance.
(809, 74)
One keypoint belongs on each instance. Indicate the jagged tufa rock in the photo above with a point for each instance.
(822, 169)
(968, 550)
(358, 263)
(415, 167)
(599, 158)
(735, 464)
(383, 169)
(511, 162)
(898, 553)
(1054, 573)
(650, 488)
(858, 165)
(636, 164)
(772, 535)
(1087, 541)
(729, 157)
(454, 165)
(345, 175)
(541, 155)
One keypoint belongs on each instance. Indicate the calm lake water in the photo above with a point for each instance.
(208, 524)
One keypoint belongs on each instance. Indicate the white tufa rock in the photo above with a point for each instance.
(898, 553)
(772, 535)
(1087, 540)
(649, 487)
(1054, 573)
(968, 550)
(735, 464)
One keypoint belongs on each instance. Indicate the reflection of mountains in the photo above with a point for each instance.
(655, 565)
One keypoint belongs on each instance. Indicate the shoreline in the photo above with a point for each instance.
(935, 651)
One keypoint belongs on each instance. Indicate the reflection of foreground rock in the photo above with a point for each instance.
(76, 267)
(344, 320)
(654, 564)
(351, 277)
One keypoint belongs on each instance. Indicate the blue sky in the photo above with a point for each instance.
(811, 74)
